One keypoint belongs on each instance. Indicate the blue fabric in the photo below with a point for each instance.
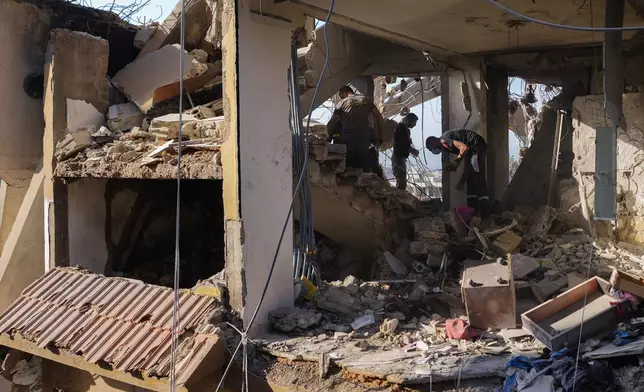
(475, 162)
(622, 337)
(523, 363)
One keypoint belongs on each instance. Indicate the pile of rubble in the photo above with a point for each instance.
(460, 302)
(138, 136)
(364, 192)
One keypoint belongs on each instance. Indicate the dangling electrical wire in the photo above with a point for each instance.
(244, 333)
(177, 253)
(422, 115)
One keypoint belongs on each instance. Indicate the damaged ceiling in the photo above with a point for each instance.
(481, 27)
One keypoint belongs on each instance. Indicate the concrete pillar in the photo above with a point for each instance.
(23, 38)
(257, 160)
(75, 68)
(22, 259)
(498, 159)
(10, 200)
(456, 116)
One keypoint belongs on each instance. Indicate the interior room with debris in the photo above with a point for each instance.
(304, 195)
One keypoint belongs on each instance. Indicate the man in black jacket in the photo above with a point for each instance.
(471, 147)
(402, 149)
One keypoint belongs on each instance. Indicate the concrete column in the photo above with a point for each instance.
(23, 38)
(10, 200)
(456, 116)
(75, 69)
(498, 159)
(258, 182)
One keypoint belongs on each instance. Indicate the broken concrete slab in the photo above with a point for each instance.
(523, 266)
(81, 113)
(294, 319)
(337, 301)
(575, 279)
(167, 127)
(546, 288)
(198, 16)
(421, 249)
(141, 78)
(71, 144)
(124, 117)
(144, 34)
(541, 221)
(507, 242)
(396, 265)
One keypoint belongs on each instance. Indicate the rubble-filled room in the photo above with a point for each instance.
(344, 197)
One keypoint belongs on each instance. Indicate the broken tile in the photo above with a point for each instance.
(507, 242)
(141, 78)
(124, 117)
(523, 266)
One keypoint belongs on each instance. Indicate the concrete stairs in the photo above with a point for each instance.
(356, 210)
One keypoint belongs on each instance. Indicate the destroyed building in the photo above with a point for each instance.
(116, 168)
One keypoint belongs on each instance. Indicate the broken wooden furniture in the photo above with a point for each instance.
(557, 323)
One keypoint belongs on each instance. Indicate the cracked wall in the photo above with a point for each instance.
(588, 114)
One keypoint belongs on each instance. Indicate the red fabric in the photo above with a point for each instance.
(459, 329)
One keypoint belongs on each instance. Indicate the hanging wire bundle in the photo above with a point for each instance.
(304, 250)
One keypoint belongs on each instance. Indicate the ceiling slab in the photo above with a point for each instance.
(452, 27)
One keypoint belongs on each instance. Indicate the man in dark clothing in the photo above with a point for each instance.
(352, 116)
(402, 149)
(472, 147)
(374, 154)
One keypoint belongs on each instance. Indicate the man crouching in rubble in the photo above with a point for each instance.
(352, 117)
(472, 147)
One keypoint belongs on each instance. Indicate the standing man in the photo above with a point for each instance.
(402, 149)
(352, 116)
(472, 147)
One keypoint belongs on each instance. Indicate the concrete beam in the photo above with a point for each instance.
(257, 161)
(497, 127)
(412, 96)
(23, 37)
(22, 258)
(75, 68)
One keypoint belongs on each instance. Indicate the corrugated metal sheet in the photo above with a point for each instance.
(111, 321)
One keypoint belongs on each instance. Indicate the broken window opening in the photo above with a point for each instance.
(140, 230)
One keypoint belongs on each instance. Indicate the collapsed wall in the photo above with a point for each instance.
(588, 114)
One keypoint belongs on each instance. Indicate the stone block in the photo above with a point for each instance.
(167, 127)
(421, 249)
(143, 35)
(396, 265)
(507, 242)
(124, 117)
(141, 79)
(523, 266)
(546, 288)
(319, 152)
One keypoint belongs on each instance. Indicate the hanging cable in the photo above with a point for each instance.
(422, 114)
(560, 26)
(244, 338)
(177, 253)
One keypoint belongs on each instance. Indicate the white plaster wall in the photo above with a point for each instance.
(587, 115)
(266, 176)
(23, 36)
(87, 224)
